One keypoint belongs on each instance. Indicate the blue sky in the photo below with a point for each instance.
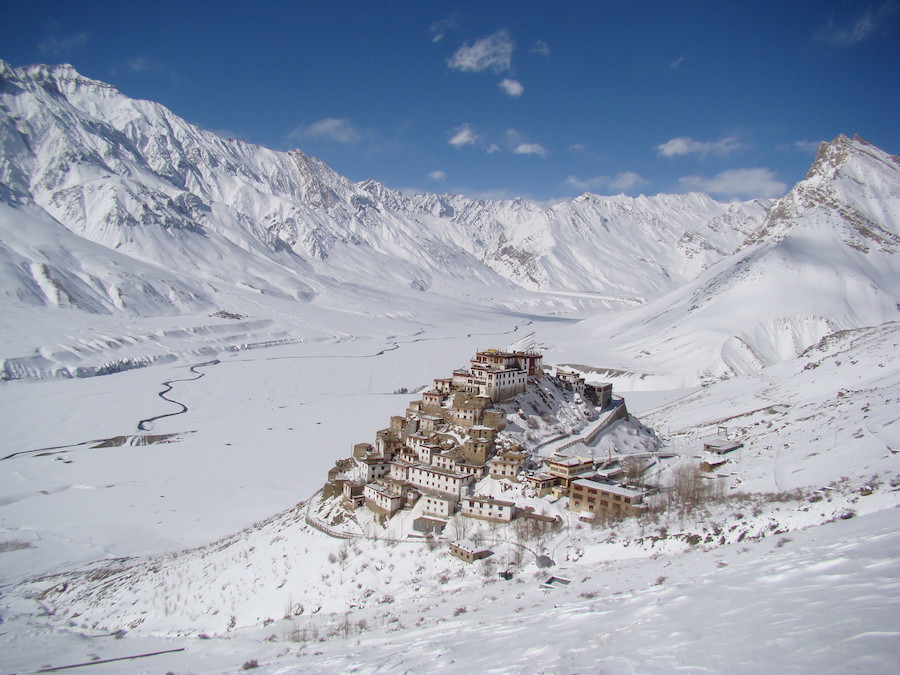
(533, 99)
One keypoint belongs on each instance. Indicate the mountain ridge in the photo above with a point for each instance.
(134, 177)
(824, 260)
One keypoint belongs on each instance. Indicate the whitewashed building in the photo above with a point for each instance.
(486, 508)
(442, 506)
(381, 500)
(432, 478)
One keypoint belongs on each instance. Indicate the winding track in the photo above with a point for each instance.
(142, 425)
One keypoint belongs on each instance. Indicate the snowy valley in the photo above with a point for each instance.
(198, 328)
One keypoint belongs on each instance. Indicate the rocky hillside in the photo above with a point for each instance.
(824, 260)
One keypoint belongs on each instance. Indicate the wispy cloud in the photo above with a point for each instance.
(140, 65)
(748, 183)
(540, 47)
(55, 45)
(860, 29)
(512, 87)
(530, 149)
(335, 129)
(462, 136)
(493, 52)
(439, 176)
(443, 26)
(622, 182)
(676, 64)
(809, 147)
(519, 145)
(684, 145)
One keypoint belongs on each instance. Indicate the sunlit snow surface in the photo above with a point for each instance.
(196, 328)
(807, 602)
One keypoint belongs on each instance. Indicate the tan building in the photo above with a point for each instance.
(482, 431)
(361, 450)
(432, 400)
(508, 465)
(477, 450)
(543, 483)
(709, 465)
(468, 411)
(352, 494)
(428, 422)
(469, 551)
(721, 446)
(460, 380)
(567, 468)
(599, 394)
(444, 385)
(531, 363)
(493, 418)
(387, 443)
(614, 500)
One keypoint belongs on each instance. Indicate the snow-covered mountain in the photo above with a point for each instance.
(138, 212)
(824, 260)
(115, 206)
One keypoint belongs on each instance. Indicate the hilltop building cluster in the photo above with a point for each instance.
(444, 444)
(447, 441)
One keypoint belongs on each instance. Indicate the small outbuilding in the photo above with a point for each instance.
(721, 446)
(709, 465)
(429, 525)
(468, 551)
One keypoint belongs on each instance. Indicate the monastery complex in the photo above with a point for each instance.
(450, 439)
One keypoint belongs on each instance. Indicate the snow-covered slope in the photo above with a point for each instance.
(220, 213)
(818, 434)
(825, 259)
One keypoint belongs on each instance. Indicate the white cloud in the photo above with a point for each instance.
(853, 33)
(540, 47)
(330, 128)
(438, 176)
(142, 64)
(442, 26)
(626, 181)
(577, 147)
(738, 183)
(512, 87)
(492, 148)
(809, 147)
(463, 135)
(530, 149)
(54, 46)
(677, 63)
(684, 145)
(622, 182)
(493, 52)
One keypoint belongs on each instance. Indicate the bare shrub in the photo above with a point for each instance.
(14, 545)
(633, 469)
